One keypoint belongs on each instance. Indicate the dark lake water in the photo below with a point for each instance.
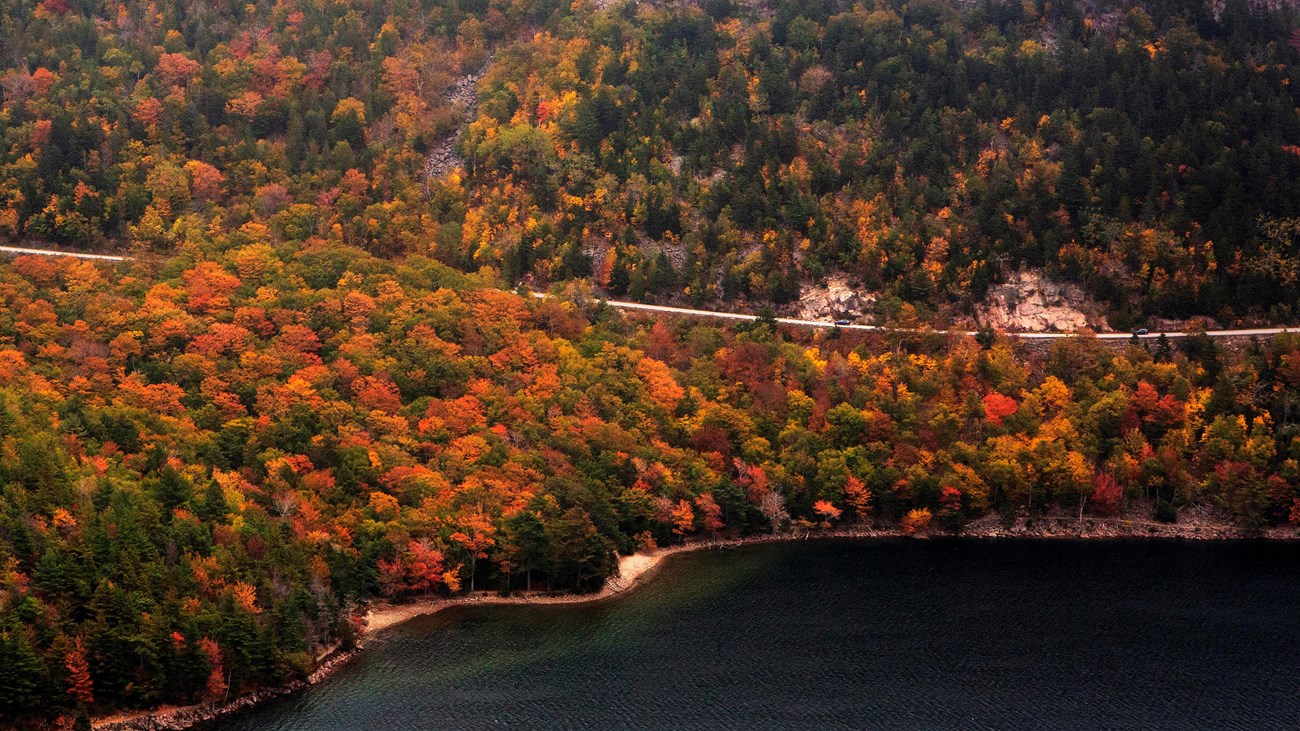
(934, 634)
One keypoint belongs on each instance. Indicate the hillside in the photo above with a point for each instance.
(205, 467)
(920, 152)
(314, 385)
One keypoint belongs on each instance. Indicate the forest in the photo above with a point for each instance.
(320, 382)
(712, 152)
(206, 465)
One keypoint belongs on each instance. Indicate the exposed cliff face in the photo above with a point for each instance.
(1029, 302)
(834, 301)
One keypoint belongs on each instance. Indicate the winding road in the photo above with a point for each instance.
(53, 252)
(688, 312)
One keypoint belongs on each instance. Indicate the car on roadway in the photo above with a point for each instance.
(1141, 331)
(842, 323)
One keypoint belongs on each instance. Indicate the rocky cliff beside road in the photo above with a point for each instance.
(1030, 302)
(833, 301)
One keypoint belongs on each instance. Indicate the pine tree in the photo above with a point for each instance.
(24, 679)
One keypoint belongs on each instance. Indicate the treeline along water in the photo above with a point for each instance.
(883, 635)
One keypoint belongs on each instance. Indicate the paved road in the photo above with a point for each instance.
(687, 312)
(52, 252)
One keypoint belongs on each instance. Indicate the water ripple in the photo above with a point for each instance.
(886, 635)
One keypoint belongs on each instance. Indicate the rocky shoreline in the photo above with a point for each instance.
(183, 717)
(637, 569)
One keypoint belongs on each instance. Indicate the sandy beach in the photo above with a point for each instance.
(633, 571)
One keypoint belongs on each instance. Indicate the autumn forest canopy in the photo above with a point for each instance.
(313, 386)
(1149, 151)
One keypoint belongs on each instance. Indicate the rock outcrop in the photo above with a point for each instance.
(836, 300)
(442, 159)
(1029, 302)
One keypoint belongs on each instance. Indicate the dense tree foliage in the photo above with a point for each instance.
(1149, 151)
(295, 399)
(203, 467)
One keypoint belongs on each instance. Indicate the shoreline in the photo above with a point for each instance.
(637, 569)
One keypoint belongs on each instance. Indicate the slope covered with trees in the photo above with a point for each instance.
(203, 467)
(311, 388)
(1145, 150)
(1149, 151)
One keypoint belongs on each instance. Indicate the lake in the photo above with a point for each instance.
(898, 634)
